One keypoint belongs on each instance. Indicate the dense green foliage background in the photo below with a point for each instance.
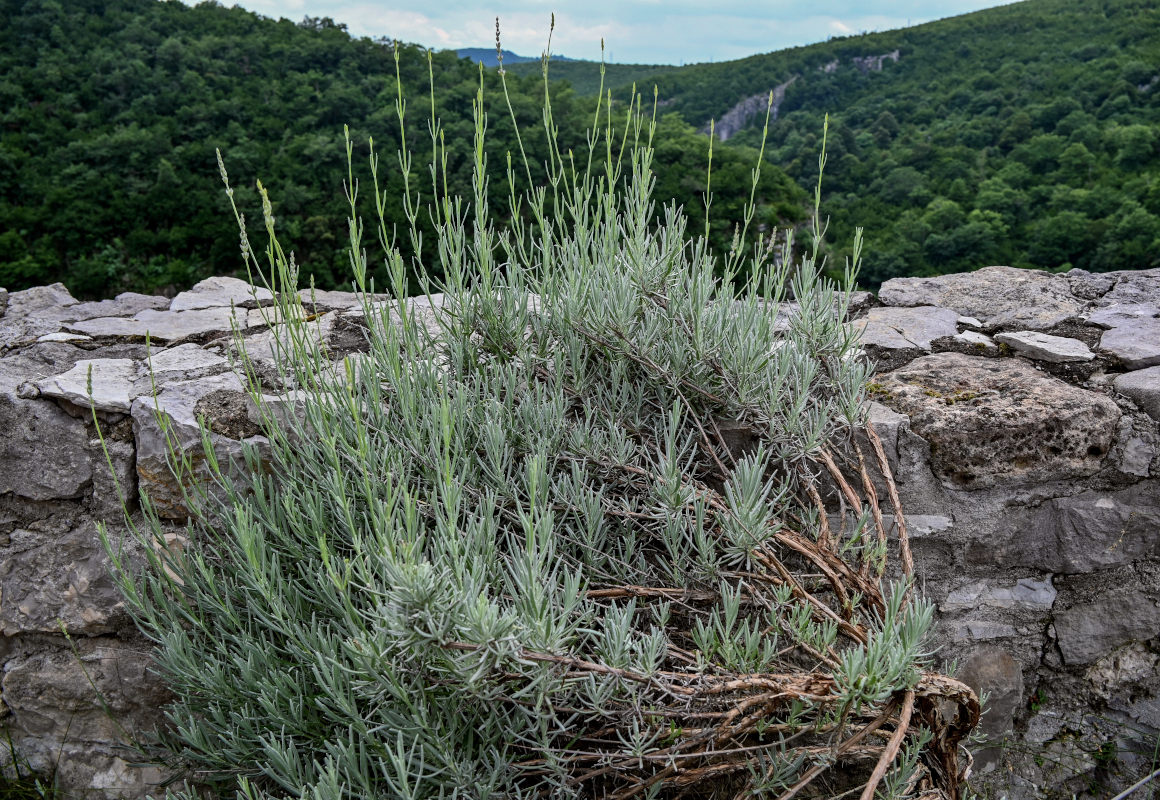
(1027, 134)
(111, 112)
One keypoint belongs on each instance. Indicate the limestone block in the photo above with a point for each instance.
(993, 671)
(33, 313)
(42, 450)
(1122, 314)
(164, 326)
(183, 363)
(112, 487)
(45, 578)
(996, 422)
(179, 404)
(1045, 347)
(219, 292)
(1027, 594)
(1093, 627)
(1000, 297)
(1133, 286)
(906, 328)
(1134, 344)
(114, 383)
(1088, 531)
(125, 304)
(52, 693)
(1143, 386)
(1088, 286)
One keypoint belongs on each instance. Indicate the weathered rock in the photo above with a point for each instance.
(64, 337)
(124, 305)
(1000, 297)
(1088, 286)
(178, 402)
(1135, 344)
(1044, 347)
(992, 670)
(1027, 593)
(185, 362)
(114, 384)
(164, 326)
(1133, 286)
(32, 313)
(1143, 386)
(1000, 421)
(220, 292)
(1094, 627)
(1122, 314)
(42, 450)
(906, 328)
(3, 301)
(317, 299)
(114, 478)
(1088, 531)
(53, 694)
(47, 581)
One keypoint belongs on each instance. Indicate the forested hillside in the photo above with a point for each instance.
(1027, 134)
(110, 112)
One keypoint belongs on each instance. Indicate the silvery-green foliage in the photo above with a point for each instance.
(510, 533)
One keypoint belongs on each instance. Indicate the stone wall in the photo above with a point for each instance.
(1019, 409)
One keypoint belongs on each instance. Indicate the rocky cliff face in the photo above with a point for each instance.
(1020, 410)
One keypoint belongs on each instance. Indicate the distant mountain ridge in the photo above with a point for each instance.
(489, 58)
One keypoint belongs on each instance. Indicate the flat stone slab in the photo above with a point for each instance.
(1143, 386)
(163, 326)
(1135, 344)
(1122, 314)
(999, 297)
(185, 362)
(906, 328)
(219, 292)
(1000, 421)
(123, 305)
(115, 384)
(1027, 593)
(1133, 286)
(1045, 347)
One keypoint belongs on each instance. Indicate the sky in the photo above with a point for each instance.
(634, 31)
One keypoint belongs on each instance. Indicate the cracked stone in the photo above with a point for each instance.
(1044, 347)
(1000, 297)
(996, 422)
(219, 292)
(1143, 386)
(906, 328)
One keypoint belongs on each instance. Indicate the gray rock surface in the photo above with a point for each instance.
(220, 292)
(1000, 297)
(1135, 344)
(1133, 286)
(1143, 386)
(42, 451)
(1000, 421)
(114, 383)
(1045, 347)
(992, 670)
(48, 581)
(164, 326)
(178, 404)
(906, 328)
(1090, 629)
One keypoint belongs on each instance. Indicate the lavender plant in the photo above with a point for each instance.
(590, 518)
